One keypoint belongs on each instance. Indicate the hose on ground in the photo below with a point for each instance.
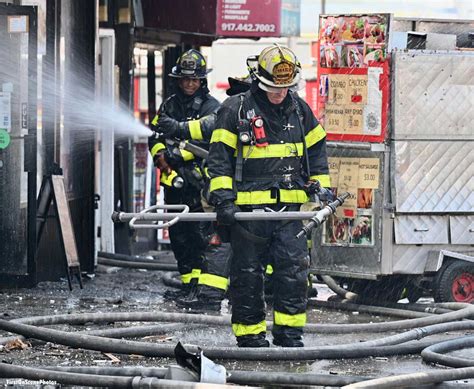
(65, 378)
(240, 377)
(125, 332)
(170, 279)
(136, 265)
(415, 379)
(136, 331)
(225, 320)
(134, 258)
(367, 309)
(332, 284)
(359, 349)
(434, 354)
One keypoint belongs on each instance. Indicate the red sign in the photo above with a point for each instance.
(248, 18)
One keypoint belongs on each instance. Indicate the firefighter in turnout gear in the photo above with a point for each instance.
(189, 115)
(267, 148)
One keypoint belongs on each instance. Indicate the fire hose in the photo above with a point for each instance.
(315, 218)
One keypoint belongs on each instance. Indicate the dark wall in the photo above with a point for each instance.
(198, 17)
(74, 23)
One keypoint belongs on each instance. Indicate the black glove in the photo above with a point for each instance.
(226, 213)
(325, 194)
(170, 128)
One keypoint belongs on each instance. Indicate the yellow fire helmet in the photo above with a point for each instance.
(276, 67)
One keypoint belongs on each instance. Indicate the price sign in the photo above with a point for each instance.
(334, 119)
(333, 164)
(369, 172)
(348, 181)
(353, 119)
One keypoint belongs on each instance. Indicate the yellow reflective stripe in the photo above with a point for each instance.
(309, 243)
(293, 196)
(324, 180)
(222, 182)
(195, 129)
(195, 273)
(249, 329)
(224, 136)
(157, 148)
(214, 281)
(187, 156)
(256, 197)
(155, 120)
(269, 269)
(273, 151)
(259, 197)
(283, 319)
(186, 278)
(167, 179)
(315, 135)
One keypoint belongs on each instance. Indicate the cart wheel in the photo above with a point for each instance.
(455, 283)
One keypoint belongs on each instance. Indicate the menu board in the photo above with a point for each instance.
(352, 223)
(353, 76)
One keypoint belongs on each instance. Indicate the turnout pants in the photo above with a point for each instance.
(290, 278)
(188, 240)
(214, 278)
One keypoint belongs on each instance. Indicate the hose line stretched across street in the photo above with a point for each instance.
(399, 344)
(240, 377)
(358, 349)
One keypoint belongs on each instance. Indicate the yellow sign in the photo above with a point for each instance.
(334, 119)
(369, 172)
(353, 119)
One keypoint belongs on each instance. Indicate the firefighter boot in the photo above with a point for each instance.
(252, 341)
(206, 299)
(285, 336)
(284, 341)
(183, 291)
(172, 295)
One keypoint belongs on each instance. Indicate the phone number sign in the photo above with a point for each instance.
(252, 18)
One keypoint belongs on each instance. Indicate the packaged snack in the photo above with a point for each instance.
(332, 55)
(353, 56)
(375, 33)
(356, 28)
(374, 53)
(330, 31)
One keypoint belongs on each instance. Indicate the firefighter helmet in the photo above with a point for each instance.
(190, 64)
(275, 67)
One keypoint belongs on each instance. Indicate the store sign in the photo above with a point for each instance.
(248, 18)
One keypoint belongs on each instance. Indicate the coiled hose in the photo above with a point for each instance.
(433, 353)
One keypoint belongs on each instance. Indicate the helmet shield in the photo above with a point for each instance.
(190, 64)
(276, 67)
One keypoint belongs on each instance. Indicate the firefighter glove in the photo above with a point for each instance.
(226, 213)
(170, 128)
(325, 194)
(161, 163)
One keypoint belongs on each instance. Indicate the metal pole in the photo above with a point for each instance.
(122, 217)
(316, 217)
